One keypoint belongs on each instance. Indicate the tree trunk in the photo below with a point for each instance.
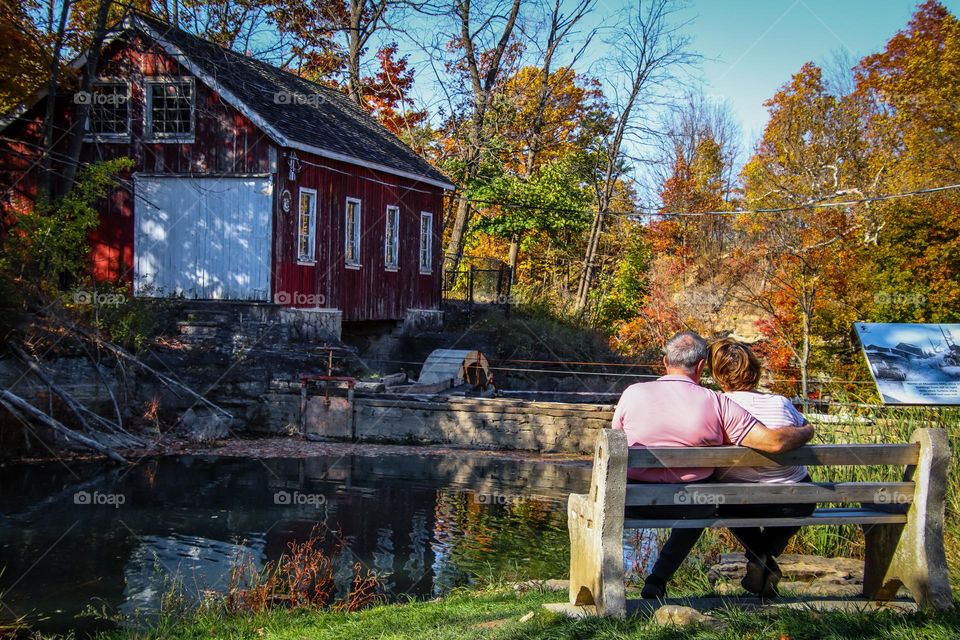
(49, 117)
(15, 403)
(805, 356)
(353, 52)
(588, 270)
(514, 251)
(457, 232)
(484, 75)
(82, 110)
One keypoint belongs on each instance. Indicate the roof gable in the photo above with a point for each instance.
(294, 111)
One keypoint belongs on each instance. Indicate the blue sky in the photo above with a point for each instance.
(754, 46)
(750, 47)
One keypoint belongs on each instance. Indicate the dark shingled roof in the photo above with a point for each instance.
(317, 116)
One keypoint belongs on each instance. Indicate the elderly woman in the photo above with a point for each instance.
(737, 370)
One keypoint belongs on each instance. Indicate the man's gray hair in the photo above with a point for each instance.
(685, 350)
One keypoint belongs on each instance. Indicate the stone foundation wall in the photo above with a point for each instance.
(482, 423)
(418, 320)
(308, 325)
(486, 423)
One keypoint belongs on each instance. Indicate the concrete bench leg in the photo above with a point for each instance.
(912, 555)
(596, 532)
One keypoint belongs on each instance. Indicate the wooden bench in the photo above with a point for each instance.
(902, 521)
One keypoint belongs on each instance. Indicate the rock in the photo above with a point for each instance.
(369, 386)
(394, 379)
(795, 567)
(541, 585)
(527, 617)
(199, 424)
(678, 616)
(803, 575)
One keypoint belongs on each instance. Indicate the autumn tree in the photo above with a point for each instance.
(910, 92)
(483, 46)
(24, 53)
(549, 202)
(650, 50)
(687, 246)
(563, 128)
(544, 110)
(812, 151)
(387, 93)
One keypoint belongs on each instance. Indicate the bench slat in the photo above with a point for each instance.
(821, 454)
(734, 493)
(819, 517)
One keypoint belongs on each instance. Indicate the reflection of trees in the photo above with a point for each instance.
(522, 538)
(343, 573)
(419, 536)
(383, 559)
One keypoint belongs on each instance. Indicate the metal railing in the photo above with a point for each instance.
(478, 286)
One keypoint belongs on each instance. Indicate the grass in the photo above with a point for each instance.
(497, 612)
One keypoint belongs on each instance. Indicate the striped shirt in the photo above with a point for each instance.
(775, 412)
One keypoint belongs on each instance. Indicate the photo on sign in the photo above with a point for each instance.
(913, 363)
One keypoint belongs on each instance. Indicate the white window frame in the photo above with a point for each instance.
(90, 136)
(426, 267)
(148, 134)
(391, 234)
(353, 237)
(311, 258)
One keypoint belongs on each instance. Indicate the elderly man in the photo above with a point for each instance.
(675, 411)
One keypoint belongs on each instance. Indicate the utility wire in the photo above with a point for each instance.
(640, 213)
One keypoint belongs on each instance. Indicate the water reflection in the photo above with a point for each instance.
(423, 524)
(196, 564)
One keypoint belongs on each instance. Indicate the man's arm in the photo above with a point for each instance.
(768, 440)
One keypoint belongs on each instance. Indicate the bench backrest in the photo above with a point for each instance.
(811, 455)
(613, 458)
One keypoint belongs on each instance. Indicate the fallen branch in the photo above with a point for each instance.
(106, 385)
(15, 403)
(169, 382)
(79, 409)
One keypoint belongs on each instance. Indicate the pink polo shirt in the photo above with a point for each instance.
(675, 411)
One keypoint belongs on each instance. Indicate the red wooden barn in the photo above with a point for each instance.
(250, 183)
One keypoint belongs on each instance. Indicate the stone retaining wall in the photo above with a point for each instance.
(487, 423)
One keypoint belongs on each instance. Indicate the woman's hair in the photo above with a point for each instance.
(733, 365)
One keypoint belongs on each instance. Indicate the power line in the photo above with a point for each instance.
(640, 213)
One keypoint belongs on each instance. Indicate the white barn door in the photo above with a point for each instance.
(203, 238)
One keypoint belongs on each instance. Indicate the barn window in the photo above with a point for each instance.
(307, 227)
(391, 246)
(352, 233)
(426, 242)
(109, 114)
(169, 109)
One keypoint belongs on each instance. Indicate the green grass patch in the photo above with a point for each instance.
(496, 613)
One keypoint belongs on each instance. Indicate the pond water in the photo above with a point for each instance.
(75, 536)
